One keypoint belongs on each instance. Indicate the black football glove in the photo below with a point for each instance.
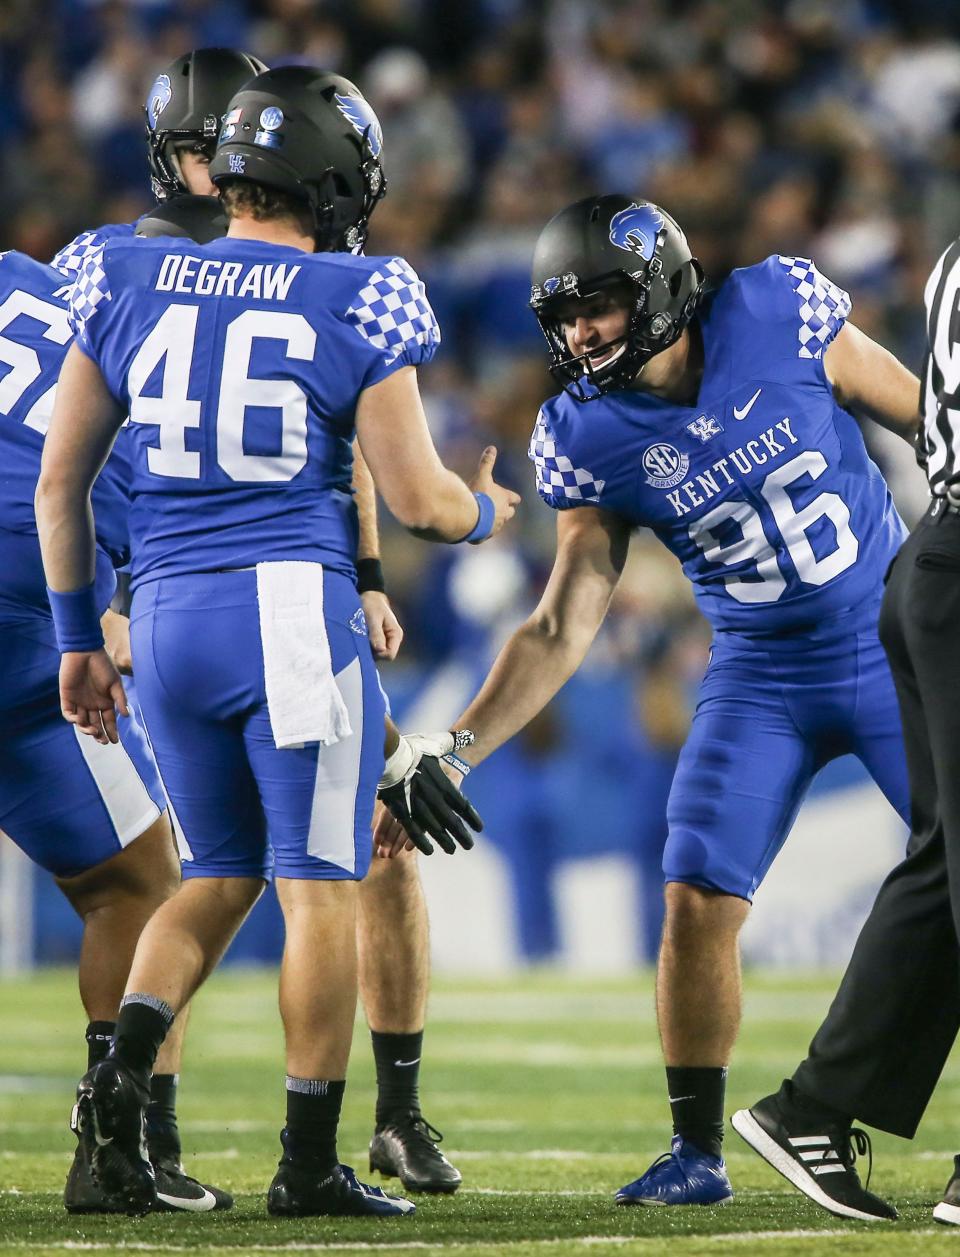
(422, 797)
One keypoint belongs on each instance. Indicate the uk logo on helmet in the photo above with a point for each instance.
(158, 98)
(635, 229)
(363, 120)
(238, 163)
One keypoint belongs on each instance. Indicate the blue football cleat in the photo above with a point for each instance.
(682, 1176)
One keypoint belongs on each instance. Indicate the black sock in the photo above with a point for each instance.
(162, 1132)
(313, 1112)
(696, 1102)
(141, 1028)
(398, 1072)
(808, 1108)
(99, 1041)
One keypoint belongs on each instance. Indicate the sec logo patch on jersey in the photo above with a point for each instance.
(665, 465)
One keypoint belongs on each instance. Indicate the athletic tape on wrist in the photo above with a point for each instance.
(485, 520)
(76, 619)
(398, 765)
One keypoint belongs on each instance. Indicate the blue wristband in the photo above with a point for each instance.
(485, 520)
(76, 619)
(456, 762)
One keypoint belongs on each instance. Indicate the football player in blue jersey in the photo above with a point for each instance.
(246, 367)
(183, 113)
(95, 817)
(724, 422)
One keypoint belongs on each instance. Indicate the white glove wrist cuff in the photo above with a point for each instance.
(398, 764)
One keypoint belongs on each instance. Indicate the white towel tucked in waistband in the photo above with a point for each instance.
(304, 702)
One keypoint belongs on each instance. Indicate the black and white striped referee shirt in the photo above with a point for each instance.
(938, 449)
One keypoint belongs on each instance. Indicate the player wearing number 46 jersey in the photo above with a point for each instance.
(246, 367)
(723, 422)
(184, 111)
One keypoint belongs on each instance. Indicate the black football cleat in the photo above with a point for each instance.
(81, 1194)
(108, 1119)
(948, 1210)
(405, 1147)
(816, 1156)
(177, 1192)
(299, 1191)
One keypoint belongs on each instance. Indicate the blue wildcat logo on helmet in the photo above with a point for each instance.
(363, 120)
(635, 229)
(158, 98)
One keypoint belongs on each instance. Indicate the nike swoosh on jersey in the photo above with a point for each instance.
(192, 1204)
(742, 414)
(413, 1062)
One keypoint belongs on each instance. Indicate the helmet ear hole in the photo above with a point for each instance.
(676, 279)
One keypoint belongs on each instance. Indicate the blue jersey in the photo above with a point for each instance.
(240, 364)
(72, 256)
(35, 334)
(763, 488)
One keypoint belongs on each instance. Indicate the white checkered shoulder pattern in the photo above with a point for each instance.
(823, 305)
(90, 289)
(559, 483)
(392, 312)
(73, 255)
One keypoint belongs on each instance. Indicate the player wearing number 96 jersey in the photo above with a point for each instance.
(722, 422)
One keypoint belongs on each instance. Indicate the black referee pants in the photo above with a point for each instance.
(880, 1051)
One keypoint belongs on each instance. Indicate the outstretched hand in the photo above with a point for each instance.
(505, 501)
(423, 803)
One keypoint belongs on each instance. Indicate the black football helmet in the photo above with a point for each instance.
(612, 240)
(186, 104)
(312, 135)
(199, 218)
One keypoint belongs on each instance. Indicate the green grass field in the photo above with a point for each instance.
(549, 1090)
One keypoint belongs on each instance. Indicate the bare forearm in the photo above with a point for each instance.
(365, 496)
(67, 543)
(454, 510)
(530, 669)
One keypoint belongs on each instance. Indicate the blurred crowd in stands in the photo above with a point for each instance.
(822, 128)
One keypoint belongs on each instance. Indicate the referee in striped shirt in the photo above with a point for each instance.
(879, 1053)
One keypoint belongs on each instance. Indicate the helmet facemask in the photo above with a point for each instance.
(581, 253)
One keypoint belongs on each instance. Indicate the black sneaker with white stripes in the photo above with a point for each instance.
(948, 1210)
(816, 1156)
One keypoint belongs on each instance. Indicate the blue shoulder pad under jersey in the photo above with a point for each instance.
(241, 364)
(72, 256)
(35, 335)
(763, 487)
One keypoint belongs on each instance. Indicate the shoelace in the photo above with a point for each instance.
(423, 1130)
(854, 1143)
(672, 1155)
